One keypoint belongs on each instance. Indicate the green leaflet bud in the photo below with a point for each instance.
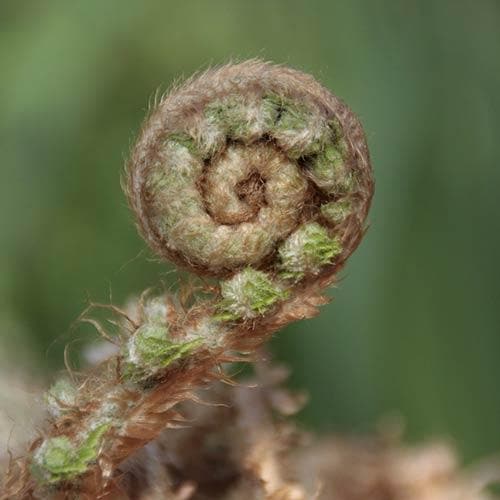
(185, 141)
(328, 170)
(300, 130)
(306, 251)
(150, 349)
(248, 294)
(336, 211)
(60, 397)
(243, 119)
(58, 459)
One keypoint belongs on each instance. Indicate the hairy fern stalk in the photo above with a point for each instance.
(253, 177)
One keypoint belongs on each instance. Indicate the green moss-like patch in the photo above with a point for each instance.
(328, 169)
(298, 128)
(59, 459)
(336, 211)
(292, 115)
(307, 250)
(230, 115)
(150, 349)
(183, 140)
(249, 294)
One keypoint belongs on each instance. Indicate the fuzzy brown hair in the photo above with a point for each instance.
(270, 121)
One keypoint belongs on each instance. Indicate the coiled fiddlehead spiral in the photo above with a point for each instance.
(256, 173)
(252, 174)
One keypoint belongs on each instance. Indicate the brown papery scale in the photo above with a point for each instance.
(252, 176)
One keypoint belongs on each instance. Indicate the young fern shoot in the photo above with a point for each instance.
(253, 176)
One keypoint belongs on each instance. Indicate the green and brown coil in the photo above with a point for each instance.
(257, 175)
(253, 176)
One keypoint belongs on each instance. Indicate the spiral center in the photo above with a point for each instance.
(252, 191)
(235, 184)
(231, 212)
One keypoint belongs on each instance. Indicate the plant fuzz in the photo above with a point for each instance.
(255, 178)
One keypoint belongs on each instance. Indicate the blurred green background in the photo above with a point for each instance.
(415, 324)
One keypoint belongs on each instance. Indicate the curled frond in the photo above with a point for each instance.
(250, 174)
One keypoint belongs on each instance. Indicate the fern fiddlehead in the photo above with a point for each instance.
(251, 175)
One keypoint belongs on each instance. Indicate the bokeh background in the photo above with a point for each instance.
(415, 325)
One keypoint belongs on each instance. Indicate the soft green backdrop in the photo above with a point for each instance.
(415, 325)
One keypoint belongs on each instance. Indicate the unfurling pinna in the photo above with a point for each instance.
(252, 176)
